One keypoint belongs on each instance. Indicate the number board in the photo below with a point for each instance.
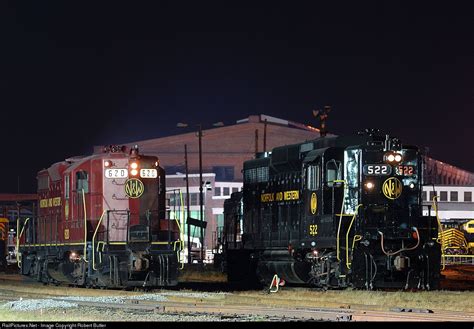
(116, 173)
(377, 169)
(405, 170)
(148, 173)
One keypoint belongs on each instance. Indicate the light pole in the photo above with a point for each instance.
(201, 201)
(187, 203)
(201, 197)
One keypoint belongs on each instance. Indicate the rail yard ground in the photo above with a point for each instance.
(26, 300)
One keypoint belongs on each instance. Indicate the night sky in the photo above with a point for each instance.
(74, 75)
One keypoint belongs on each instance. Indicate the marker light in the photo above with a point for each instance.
(412, 186)
(134, 165)
(156, 163)
(134, 172)
(369, 185)
(107, 163)
(391, 157)
(398, 157)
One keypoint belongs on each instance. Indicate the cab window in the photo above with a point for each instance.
(313, 177)
(82, 181)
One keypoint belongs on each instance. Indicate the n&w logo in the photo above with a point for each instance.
(134, 188)
(392, 188)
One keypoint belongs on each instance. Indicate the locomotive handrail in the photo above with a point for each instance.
(347, 236)
(177, 252)
(354, 240)
(180, 241)
(18, 261)
(85, 227)
(403, 249)
(440, 227)
(93, 239)
(97, 249)
(341, 214)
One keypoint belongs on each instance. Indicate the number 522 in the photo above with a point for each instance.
(313, 229)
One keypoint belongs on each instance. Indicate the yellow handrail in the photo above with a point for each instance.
(180, 232)
(340, 217)
(18, 261)
(85, 227)
(347, 236)
(440, 239)
(97, 249)
(93, 239)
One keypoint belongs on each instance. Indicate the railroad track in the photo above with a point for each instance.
(272, 313)
(235, 309)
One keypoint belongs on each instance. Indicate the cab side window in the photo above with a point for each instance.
(82, 181)
(66, 186)
(313, 177)
(333, 172)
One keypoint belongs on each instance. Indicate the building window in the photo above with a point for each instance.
(423, 196)
(226, 191)
(432, 195)
(443, 196)
(219, 220)
(235, 189)
(467, 196)
(194, 199)
(224, 173)
(217, 191)
(453, 196)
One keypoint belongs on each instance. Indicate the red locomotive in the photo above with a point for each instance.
(102, 222)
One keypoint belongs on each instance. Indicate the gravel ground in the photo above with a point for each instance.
(36, 304)
(115, 299)
(194, 294)
(68, 301)
(54, 310)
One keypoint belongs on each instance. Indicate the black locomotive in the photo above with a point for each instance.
(333, 212)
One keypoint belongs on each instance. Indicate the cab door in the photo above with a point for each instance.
(312, 198)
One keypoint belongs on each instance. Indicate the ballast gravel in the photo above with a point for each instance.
(194, 294)
(36, 304)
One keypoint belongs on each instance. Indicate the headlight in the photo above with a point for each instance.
(134, 165)
(369, 185)
(398, 157)
(134, 172)
(391, 157)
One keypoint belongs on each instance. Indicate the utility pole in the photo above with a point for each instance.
(201, 201)
(187, 202)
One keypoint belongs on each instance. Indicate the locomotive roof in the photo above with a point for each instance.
(57, 169)
(291, 153)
